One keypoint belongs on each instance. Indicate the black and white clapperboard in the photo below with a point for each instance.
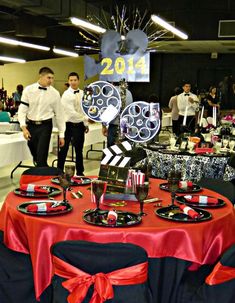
(115, 165)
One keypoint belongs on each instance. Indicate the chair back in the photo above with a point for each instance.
(95, 258)
(35, 174)
(225, 188)
(218, 286)
(16, 277)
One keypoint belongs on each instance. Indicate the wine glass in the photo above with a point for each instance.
(225, 141)
(172, 141)
(64, 183)
(173, 183)
(141, 194)
(69, 171)
(98, 188)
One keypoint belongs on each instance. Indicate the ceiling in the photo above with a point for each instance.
(46, 22)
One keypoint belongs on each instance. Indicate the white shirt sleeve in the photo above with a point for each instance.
(69, 107)
(59, 116)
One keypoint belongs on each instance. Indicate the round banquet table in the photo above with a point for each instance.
(199, 243)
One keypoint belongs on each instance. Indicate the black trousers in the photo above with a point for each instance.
(75, 134)
(40, 141)
(112, 135)
(190, 123)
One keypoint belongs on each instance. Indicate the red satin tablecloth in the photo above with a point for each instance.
(200, 243)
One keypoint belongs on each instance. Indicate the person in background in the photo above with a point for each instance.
(16, 99)
(175, 111)
(4, 116)
(40, 102)
(18, 93)
(111, 132)
(187, 104)
(66, 86)
(76, 123)
(212, 101)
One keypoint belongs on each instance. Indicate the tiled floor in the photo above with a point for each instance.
(7, 184)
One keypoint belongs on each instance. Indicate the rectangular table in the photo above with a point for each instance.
(13, 149)
(94, 136)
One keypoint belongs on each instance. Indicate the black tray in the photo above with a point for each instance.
(80, 181)
(52, 191)
(179, 216)
(182, 200)
(193, 189)
(125, 219)
(22, 208)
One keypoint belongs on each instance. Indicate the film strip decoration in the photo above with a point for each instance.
(101, 102)
(115, 165)
(140, 121)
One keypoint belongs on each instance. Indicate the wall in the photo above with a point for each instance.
(166, 72)
(169, 70)
(27, 73)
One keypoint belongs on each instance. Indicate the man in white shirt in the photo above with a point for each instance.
(40, 102)
(187, 104)
(76, 123)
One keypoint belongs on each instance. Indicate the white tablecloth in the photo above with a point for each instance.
(93, 136)
(13, 149)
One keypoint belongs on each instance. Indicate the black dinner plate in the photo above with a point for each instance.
(194, 188)
(173, 213)
(22, 208)
(125, 219)
(77, 181)
(183, 200)
(52, 191)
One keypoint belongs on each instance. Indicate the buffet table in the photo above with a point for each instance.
(193, 167)
(199, 243)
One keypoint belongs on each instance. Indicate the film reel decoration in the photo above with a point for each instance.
(101, 101)
(140, 121)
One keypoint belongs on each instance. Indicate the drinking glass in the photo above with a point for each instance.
(141, 194)
(64, 183)
(172, 141)
(69, 171)
(231, 145)
(225, 141)
(98, 188)
(173, 183)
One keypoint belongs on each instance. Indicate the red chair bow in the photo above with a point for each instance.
(220, 274)
(79, 282)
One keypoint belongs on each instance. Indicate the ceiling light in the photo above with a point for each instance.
(9, 59)
(169, 27)
(24, 44)
(88, 25)
(64, 52)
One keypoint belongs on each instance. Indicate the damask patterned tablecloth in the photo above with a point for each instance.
(193, 167)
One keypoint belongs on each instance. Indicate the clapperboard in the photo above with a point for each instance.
(114, 166)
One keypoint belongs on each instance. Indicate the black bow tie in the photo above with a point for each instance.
(186, 94)
(44, 88)
(76, 91)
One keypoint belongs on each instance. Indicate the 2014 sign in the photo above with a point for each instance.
(130, 67)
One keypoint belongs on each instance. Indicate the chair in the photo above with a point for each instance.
(16, 277)
(35, 174)
(218, 286)
(90, 260)
(225, 188)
